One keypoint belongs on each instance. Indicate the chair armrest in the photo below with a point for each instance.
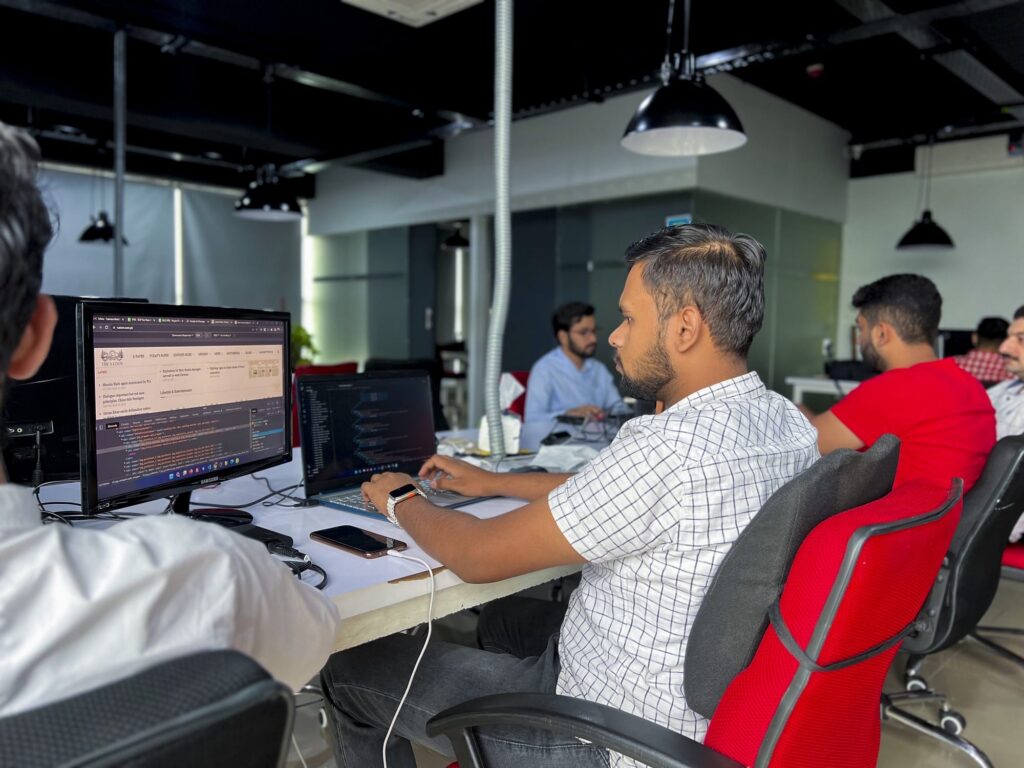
(627, 734)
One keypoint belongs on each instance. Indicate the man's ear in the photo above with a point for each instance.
(685, 328)
(563, 338)
(35, 340)
(882, 333)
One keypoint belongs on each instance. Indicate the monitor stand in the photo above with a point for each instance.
(229, 518)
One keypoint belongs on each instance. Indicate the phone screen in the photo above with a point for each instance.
(356, 538)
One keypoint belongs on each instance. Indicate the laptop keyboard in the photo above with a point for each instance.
(354, 497)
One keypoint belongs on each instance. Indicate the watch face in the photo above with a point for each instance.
(399, 492)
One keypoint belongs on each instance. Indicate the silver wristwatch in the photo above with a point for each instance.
(396, 497)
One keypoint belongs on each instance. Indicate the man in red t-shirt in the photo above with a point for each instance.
(940, 413)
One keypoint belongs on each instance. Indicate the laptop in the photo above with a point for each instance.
(353, 426)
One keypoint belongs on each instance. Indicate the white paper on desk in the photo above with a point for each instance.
(564, 458)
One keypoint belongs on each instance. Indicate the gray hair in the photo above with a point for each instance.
(25, 232)
(708, 267)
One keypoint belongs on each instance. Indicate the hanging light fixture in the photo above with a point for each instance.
(100, 230)
(926, 234)
(456, 239)
(685, 116)
(266, 199)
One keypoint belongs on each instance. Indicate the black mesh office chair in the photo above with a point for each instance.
(964, 591)
(207, 710)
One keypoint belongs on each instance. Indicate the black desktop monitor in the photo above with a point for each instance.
(40, 414)
(951, 341)
(175, 398)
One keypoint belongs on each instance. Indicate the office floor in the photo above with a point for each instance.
(988, 691)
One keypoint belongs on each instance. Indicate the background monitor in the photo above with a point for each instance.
(47, 403)
(173, 398)
(953, 341)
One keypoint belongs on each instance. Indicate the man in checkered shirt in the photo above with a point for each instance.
(650, 519)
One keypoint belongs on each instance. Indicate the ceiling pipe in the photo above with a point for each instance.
(120, 107)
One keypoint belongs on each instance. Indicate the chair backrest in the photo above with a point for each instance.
(430, 365)
(855, 589)
(206, 710)
(518, 405)
(312, 370)
(734, 613)
(972, 574)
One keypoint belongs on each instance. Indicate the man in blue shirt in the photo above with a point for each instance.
(567, 380)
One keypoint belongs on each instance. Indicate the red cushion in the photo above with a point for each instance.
(835, 721)
(310, 370)
(1013, 556)
(518, 405)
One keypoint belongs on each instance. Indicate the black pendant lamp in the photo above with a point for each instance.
(685, 116)
(266, 199)
(100, 230)
(926, 234)
(456, 239)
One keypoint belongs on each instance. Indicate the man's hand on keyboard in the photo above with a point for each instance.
(447, 474)
(376, 491)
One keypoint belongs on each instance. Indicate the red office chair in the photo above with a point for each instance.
(312, 370)
(810, 695)
(518, 405)
(1013, 562)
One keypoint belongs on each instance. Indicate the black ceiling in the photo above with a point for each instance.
(217, 87)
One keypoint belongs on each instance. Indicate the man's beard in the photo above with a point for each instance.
(871, 356)
(654, 371)
(584, 352)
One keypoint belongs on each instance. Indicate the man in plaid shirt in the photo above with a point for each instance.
(984, 361)
(650, 519)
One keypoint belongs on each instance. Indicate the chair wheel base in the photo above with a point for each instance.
(915, 683)
(952, 722)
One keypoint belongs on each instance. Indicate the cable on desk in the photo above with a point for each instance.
(301, 566)
(272, 493)
(416, 666)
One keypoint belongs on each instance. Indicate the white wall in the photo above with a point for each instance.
(87, 269)
(981, 211)
(793, 160)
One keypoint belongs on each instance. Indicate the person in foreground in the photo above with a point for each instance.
(940, 413)
(650, 519)
(568, 380)
(83, 607)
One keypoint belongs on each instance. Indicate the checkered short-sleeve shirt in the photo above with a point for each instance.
(654, 515)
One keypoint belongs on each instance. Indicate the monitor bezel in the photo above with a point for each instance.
(91, 504)
(326, 378)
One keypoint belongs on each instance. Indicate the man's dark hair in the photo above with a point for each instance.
(567, 315)
(25, 231)
(1019, 314)
(911, 304)
(706, 266)
(992, 329)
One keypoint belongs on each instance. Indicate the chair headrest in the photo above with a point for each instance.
(734, 613)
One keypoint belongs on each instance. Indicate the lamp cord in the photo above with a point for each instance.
(928, 176)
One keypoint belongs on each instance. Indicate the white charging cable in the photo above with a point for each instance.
(430, 626)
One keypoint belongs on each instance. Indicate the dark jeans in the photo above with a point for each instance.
(364, 685)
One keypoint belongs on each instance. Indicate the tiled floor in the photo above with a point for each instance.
(988, 691)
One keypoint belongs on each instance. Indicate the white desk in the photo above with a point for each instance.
(819, 385)
(370, 604)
